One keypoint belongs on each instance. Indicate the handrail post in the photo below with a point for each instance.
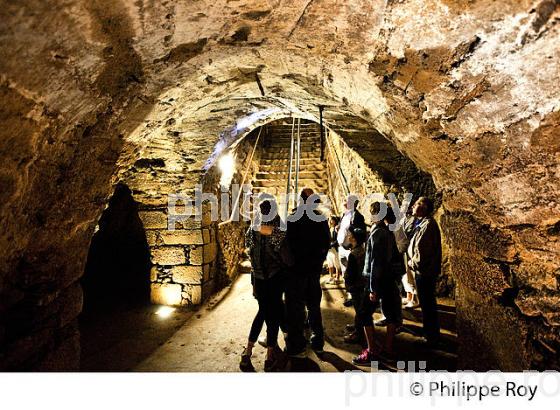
(297, 157)
(288, 184)
(322, 137)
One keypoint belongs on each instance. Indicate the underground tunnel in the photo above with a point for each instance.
(123, 104)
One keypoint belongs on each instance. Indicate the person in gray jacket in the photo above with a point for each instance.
(424, 259)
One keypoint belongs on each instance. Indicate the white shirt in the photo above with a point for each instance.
(344, 226)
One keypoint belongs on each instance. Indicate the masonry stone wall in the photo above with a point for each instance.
(182, 259)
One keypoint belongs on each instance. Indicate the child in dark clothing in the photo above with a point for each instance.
(354, 282)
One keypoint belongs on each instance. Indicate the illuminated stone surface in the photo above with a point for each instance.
(149, 93)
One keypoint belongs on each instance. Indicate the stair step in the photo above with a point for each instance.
(282, 183)
(287, 144)
(282, 164)
(286, 155)
(283, 174)
(286, 149)
(288, 137)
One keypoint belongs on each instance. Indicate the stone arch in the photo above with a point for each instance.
(456, 100)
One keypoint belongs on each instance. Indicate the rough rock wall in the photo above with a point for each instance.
(231, 235)
(467, 90)
(367, 164)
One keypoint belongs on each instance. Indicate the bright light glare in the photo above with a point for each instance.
(165, 311)
(227, 167)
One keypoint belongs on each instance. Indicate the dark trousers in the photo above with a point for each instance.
(269, 296)
(256, 326)
(426, 288)
(357, 296)
(304, 290)
(258, 323)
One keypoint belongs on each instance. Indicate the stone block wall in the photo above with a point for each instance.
(183, 259)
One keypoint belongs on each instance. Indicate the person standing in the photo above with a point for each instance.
(381, 288)
(308, 237)
(424, 260)
(403, 234)
(268, 277)
(351, 217)
(333, 261)
(354, 283)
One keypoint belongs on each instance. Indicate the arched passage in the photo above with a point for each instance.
(166, 80)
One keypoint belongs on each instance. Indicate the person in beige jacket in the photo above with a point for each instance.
(424, 259)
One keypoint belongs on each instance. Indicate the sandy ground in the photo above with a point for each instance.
(212, 339)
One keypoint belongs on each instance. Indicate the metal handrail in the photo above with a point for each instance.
(298, 156)
(288, 183)
(236, 203)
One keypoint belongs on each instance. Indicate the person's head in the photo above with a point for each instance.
(390, 217)
(423, 207)
(265, 207)
(357, 236)
(268, 207)
(306, 193)
(351, 202)
(375, 207)
(334, 221)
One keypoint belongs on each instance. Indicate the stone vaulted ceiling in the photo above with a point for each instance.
(466, 89)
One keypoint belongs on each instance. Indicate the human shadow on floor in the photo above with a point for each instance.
(304, 365)
(337, 362)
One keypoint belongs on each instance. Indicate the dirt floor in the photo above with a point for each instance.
(212, 338)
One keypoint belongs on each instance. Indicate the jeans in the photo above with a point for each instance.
(426, 288)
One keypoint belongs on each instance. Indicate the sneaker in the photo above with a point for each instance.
(317, 343)
(381, 322)
(245, 364)
(353, 337)
(348, 303)
(363, 359)
(350, 327)
(270, 364)
(262, 341)
(411, 305)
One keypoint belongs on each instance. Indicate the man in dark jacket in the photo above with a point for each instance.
(424, 259)
(309, 239)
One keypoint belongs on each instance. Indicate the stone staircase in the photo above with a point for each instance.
(272, 176)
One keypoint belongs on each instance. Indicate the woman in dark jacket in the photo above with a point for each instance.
(354, 282)
(383, 269)
(264, 241)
